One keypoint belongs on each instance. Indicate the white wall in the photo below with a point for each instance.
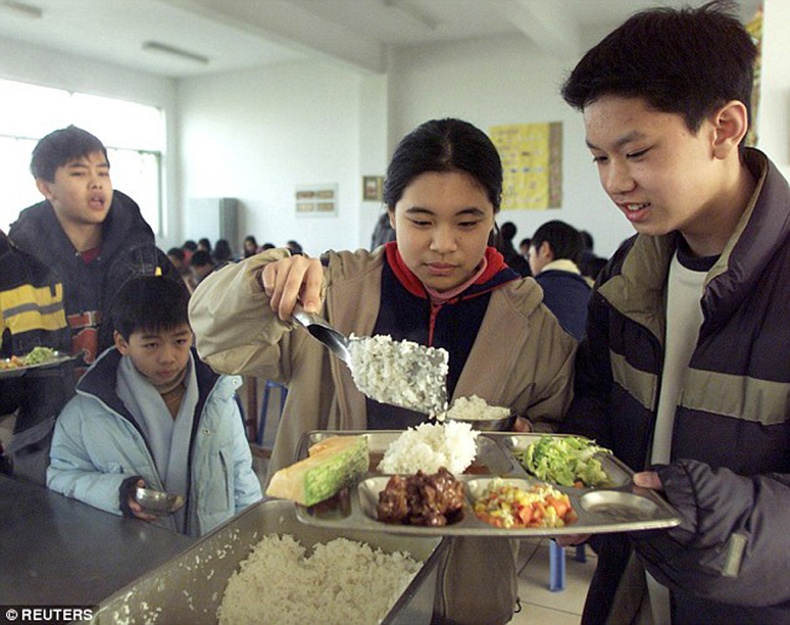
(374, 152)
(503, 81)
(773, 117)
(256, 134)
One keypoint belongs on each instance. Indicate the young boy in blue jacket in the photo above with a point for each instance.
(150, 412)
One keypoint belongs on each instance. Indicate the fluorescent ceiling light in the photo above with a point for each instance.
(155, 46)
(20, 9)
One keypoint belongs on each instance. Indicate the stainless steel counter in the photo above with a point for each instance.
(56, 551)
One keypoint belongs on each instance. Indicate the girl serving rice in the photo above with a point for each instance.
(440, 283)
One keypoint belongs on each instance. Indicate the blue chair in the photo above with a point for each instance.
(557, 564)
(249, 433)
(267, 389)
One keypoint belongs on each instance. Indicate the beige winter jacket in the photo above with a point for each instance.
(521, 358)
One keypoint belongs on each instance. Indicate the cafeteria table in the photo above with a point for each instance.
(57, 551)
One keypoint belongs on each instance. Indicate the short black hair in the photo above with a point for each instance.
(591, 266)
(587, 239)
(508, 230)
(61, 147)
(201, 258)
(177, 252)
(687, 61)
(150, 304)
(295, 247)
(222, 251)
(565, 240)
(190, 245)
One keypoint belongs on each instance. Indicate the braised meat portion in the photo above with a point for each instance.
(431, 500)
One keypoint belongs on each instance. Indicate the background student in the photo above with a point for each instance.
(555, 252)
(514, 259)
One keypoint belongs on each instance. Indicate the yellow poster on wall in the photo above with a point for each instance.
(532, 164)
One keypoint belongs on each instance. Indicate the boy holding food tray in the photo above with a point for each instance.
(150, 413)
(31, 316)
(684, 369)
(440, 283)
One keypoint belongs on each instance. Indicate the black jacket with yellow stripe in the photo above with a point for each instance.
(128, 249)
(31, 303)
(31, 315)
(730, 475)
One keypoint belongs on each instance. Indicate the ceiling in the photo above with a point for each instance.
(226, 35)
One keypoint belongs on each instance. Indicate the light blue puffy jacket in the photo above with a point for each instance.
(98, 444)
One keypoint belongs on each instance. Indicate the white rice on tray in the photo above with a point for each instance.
(402, 373)
(475, 408)
(341, 582)
(429, 446)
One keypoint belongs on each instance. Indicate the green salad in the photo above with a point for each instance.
(38, 355)
(565, 460)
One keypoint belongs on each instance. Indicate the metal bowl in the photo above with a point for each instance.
(157, 502)
(503, 424)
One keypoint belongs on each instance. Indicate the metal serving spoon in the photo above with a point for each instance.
(317, 326)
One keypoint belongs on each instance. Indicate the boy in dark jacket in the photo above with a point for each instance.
(555, 253)
(31, 315)
(684, 371)
(89, 238)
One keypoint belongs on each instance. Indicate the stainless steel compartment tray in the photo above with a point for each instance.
(620, 506)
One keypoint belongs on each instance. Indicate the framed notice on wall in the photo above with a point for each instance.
(372, 188)
(316, 200)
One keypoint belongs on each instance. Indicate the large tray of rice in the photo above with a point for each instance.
(191, 587)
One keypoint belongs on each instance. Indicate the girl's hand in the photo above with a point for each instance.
(293, 279)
